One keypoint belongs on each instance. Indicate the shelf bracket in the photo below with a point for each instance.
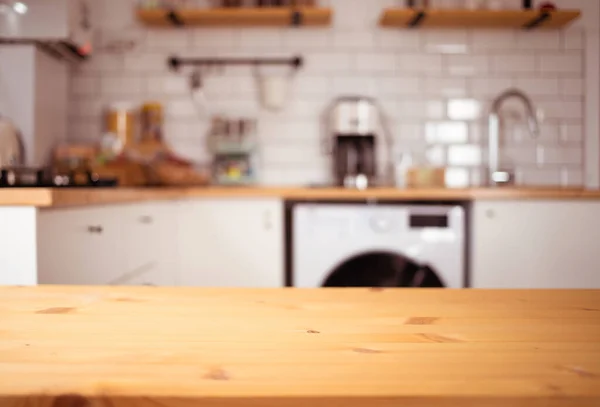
(174, 18)
(174, 63)
(417, 19)
(297, 62)
(297, 18)
(544, 15)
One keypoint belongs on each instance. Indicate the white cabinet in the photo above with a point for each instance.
(18, 261)
(150, 232)
(80, 246)
(109, 245)
(240, 243)
(231, 243)
(212, 243)
(536, 244)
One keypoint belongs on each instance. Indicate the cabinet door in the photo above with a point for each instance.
(150, 232)
(80, 246)
(18, 261)
(231, 243)
(540, 244)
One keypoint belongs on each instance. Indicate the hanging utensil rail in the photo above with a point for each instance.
(175, 62)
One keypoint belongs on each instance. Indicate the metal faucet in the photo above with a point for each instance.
(496, 175)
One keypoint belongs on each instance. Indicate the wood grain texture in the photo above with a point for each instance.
(505, 19)
(83, 346)
(239, 17)
(45, 198)
(26, 197)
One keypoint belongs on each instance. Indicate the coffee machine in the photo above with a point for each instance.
(355, 135)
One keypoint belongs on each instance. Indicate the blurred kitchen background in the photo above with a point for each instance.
(446, 143)
(434, 86)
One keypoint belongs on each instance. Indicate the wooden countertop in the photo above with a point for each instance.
(64, 346)
(48, 197)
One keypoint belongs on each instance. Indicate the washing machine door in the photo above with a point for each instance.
(382, 269)
(353, 245)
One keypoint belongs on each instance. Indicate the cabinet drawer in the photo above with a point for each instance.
(80, 246)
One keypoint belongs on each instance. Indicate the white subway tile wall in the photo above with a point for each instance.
(568, 63)
(436, 88)
(464, 109)
(466, 155)
(467, 65)
(514, 63)
(573, 39)
(448, 132)
(535, 41)
(486, 41)
(448, 87)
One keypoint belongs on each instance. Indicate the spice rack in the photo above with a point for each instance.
(447, 19)
(233, 144)
(237, 17)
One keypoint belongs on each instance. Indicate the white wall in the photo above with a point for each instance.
(34, 95)
(17, 67)
(415, 75)
(590, 24)
(592, 151)
(51, 104)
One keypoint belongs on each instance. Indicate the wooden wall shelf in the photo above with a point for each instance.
(432, 18)
(238, 17)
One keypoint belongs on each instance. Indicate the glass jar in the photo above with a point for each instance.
(152, 120)
(121, 122)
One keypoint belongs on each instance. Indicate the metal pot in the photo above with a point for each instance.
(12, 151)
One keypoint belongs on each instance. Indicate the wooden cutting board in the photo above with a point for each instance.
(82, 346)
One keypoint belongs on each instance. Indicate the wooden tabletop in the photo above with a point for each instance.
(57, 197)
(81, 346)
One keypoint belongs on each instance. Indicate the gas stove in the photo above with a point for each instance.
(44, 178)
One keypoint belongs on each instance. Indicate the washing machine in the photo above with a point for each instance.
(361, 245)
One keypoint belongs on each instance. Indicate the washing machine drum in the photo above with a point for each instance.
(383, 270)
